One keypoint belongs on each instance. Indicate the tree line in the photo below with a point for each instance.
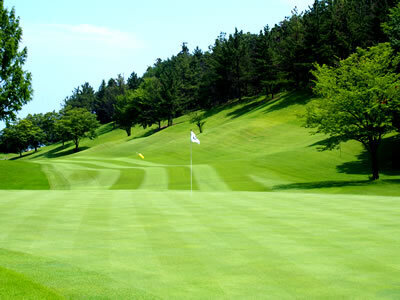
(236, 65)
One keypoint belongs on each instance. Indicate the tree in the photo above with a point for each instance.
(392, 27)
(198, 119)
(133, 81)
(15, 83)
(19, 136)
(125, 111)
(83, 97)
(77, 123)
(357, 98)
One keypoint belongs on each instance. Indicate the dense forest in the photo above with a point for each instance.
(236, 65)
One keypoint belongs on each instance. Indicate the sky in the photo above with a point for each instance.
(71, 42)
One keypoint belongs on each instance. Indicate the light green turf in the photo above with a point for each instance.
(270, 217)
(232, 245)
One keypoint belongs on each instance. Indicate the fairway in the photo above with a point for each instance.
(227, 245)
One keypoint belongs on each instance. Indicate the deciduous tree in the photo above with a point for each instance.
(357, 96)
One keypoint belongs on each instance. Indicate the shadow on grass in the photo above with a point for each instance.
(389, 160)
(270, 105)
(252, 106)
(149, 132)
(288, 99)
(106, 129)
(23, 156)
(330, 184)
(62, 151)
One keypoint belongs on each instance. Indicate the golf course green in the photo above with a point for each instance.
(269, 215)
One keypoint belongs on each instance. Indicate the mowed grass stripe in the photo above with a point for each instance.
(218, 241)
(28, 220)
(94, 233)
(241, 258)
(208, 180)
(179, 178)
(176, 257)
(337, 256)
(212, 245)
(133, 263)
(155, 179)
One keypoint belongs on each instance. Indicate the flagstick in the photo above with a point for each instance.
(191, 169)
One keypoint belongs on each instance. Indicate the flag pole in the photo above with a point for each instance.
(191, 167)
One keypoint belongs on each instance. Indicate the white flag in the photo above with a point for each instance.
(194, 138)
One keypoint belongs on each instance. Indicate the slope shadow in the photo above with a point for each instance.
(58, 152)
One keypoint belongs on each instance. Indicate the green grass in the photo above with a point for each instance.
(22, 175)
(270, 216)
(233, 245)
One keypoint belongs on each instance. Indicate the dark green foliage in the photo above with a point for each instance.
(15, 87)
(126, 111)
(46, 122)
(392, 27)
(19, 136)
(75, 124)
(133, 81)
(106, 98)
(82, 97)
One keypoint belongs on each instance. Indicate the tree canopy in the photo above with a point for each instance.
(15, 83)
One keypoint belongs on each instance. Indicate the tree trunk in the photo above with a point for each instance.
(374, 160)
(76, 146)
(159, 124)
(35, 148)
(20, 153)
(128, 131)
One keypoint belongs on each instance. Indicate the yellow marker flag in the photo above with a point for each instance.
(141, 155)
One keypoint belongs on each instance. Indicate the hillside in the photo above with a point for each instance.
(256, 145)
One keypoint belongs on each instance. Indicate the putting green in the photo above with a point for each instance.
(143, 244)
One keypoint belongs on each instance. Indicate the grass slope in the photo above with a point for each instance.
(258, 145)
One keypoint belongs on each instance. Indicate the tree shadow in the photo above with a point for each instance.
(23, 156)
(329, 184)
(106, 129)
(149, 132)
(252, 106)
(389, 160)
(62, 151)
(228, 105)
(288, 99)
